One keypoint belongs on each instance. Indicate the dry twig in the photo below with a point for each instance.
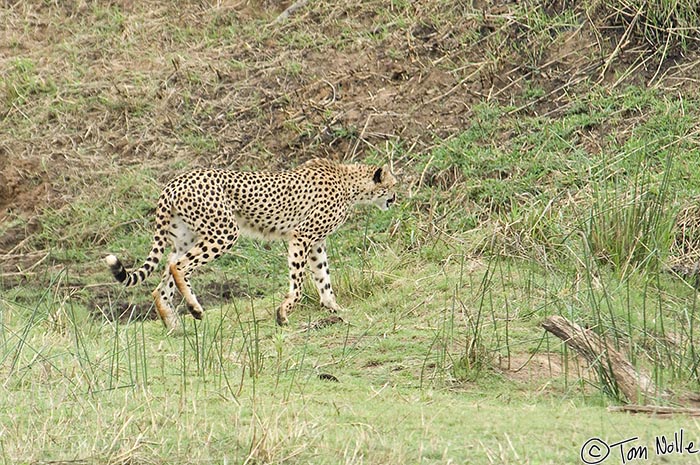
(291, 9)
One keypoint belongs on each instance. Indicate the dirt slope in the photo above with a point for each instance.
(90, 87)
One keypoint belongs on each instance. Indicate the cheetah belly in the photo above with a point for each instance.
(249, 228)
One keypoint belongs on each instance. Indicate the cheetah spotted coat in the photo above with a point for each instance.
(202, 213)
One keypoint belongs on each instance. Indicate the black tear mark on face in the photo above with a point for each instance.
(377, 176)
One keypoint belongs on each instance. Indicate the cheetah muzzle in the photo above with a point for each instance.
(201, 214)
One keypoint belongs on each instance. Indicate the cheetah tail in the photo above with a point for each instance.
(139, 275)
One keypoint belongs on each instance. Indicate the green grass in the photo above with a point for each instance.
(21, 82)
(443, 309)
(234, 387)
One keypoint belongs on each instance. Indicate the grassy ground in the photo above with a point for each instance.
(549, 161)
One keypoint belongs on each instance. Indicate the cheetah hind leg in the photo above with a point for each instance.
(165, 311)
(163, 297)
(182, 239)
(203, 252)
(182, 282)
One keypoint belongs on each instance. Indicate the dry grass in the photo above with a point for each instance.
(222, 84)
(685, 251)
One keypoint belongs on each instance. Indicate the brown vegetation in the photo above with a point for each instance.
(157, 83)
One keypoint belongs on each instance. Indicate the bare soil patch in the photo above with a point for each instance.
(105, 303)
(23, 188)
(528, 368)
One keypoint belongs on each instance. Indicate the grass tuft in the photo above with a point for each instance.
(632, 226)
(665, 24)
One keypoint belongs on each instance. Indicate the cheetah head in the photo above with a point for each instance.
(380, 190)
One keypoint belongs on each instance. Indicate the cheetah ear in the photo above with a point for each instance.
(377, 178)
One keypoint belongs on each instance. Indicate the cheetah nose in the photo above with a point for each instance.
(391, 200)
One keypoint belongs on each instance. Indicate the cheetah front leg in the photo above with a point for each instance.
(318, 261)
(296, 258)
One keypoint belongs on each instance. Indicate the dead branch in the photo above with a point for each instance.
(621, 44)
(656, 410)
(635, 385)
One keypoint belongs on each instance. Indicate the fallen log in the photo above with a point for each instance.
(661, 411)
(636, 386)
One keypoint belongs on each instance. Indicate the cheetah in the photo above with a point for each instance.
(202, 213)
